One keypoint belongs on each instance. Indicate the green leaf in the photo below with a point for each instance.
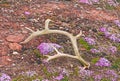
(37, 53)
(94, 60)
(65, 79)
(109, 7)
(116, 64)
(85, 44)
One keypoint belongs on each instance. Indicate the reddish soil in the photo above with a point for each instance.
(67, 15)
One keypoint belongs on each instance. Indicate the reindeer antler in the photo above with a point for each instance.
(72, 38)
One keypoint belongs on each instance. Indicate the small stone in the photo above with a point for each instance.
(9, 60)
(22, 57)
(24, 31)
(1, 41)
(22, 25)
(61, 27)
(15, 46)
(15, 53)
(71, 65)
(33, 20)
(15, 38)
(13, 64)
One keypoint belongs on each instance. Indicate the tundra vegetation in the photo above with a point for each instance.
(64, 49)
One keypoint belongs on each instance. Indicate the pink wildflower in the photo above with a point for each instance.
(4, 77)
(117, 22)
(112, 2)
(107, 34)
(113, 49)
(27, 13)
(103, 29)
(113, 37)
(94, 50)
(46, 48)
(98, 77)
(60, 77)
(85, 1)
(103, 62)
(90, 41)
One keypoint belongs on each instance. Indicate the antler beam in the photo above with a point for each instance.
(73, 40)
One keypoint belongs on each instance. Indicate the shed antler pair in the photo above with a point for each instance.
(73, 40)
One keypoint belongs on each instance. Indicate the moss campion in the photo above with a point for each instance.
(112, 49)
(112, 36)
(46, 48)
(103, 62)
(90, 41)
(117, 22)
(5, 77)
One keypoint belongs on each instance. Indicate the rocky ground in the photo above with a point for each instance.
(71, 16)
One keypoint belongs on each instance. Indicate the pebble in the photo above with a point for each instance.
(13, 64)
(15, 53)
(33, 20)
(24, 31)
(15, 38)
(71, 65)
(15, 46)
(1, 40)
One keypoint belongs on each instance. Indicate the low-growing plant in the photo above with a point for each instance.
(84, 44)
(22, 77)
(94, 60)
(116, 64)
(65, 79)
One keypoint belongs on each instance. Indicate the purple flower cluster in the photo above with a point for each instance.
(85, 1)
(85, 73)
(117, 22)
(103, 29)
(94, 50)
(30, 73)
(4, 77)
(46, 48)
(90, 41)
(60, 77)
(103, 62)
(113, 37)
(109, 50)
(27, 13)
(63, 72)
(89, 1)
(98, 77)
(110, 2)
(112, 49)
(112, 75)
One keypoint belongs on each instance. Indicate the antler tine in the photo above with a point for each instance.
(77, 36)
(29, 29)
(47, 23)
